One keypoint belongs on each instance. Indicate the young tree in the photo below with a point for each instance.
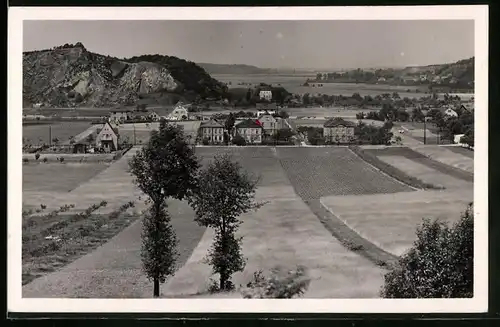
(225, 191)
(164, 168)
(229, 125)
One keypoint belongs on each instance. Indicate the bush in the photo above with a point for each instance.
(61, 159)
(439, 265)
(45, 159)
(239, 140)
(206, 141)
(37, 156)
(26, 160)
(278, 285)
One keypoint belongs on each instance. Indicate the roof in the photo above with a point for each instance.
(114, 129)
(335, 122)
(212, 123)
(248, 123)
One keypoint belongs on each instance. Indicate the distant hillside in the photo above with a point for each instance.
(70, 75)
(234, 69)
(457, 75)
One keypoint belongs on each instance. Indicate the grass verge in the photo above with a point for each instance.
(392, 171)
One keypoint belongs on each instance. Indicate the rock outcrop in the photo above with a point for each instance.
(71, 76)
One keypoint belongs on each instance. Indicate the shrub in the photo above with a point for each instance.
(278, 285)
(239, 140)
(45, 159)
(206, 141)
(37, 156)
(61, 159)
(439, 265)
(26, 160)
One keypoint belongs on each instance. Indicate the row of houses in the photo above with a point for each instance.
(252, 130)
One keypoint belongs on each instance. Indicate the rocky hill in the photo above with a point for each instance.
(70, 76)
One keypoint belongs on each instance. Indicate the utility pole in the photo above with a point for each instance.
(425, 129)
(50, 135)
(134, 133)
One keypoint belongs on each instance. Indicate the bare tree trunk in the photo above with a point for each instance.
(156, 287)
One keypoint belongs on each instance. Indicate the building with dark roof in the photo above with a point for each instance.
(250, 130)
(338, 130)
(212, 131)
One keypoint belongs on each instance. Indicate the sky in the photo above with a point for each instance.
(268, 44)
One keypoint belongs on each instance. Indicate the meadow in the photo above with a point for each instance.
(40, 133)
(294, 84)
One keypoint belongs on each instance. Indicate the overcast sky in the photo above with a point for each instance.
(269, 44)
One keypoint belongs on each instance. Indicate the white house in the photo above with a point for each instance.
(266, 94)
(180, 112)
(450, 113)
(107, 138)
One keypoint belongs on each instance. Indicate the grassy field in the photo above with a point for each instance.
(40, 133)
(447, 157)
(58, 177)
(463, 151)
(425, 173)
(141, 132)
(390, 220)
(294, 84)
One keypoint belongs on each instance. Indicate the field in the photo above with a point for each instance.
(390, 220)
(294, 84)
(141, 132)
(57, 177)
(317, 172)
(40, 133)
(424, 173)
(340, 264)
(447, 157)
(461, 150)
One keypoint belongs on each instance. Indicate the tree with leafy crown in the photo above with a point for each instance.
(164, 168)
(225, 192)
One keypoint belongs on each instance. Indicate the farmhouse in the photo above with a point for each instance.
(268, 123)
(121, 115)
(250, 130)
(108, 138)
(212, 131)
(338, 130)
(266, 95)
(180, 112)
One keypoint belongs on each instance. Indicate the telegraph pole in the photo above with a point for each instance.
(50, 135)
(425, 129)
(134, 134)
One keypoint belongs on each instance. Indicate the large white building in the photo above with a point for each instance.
(266, 95)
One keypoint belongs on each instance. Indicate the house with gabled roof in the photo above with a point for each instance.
(108, 138)
(338, 130)
(212, 131)
(250, 130)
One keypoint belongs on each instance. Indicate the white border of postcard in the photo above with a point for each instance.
(479, 303)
